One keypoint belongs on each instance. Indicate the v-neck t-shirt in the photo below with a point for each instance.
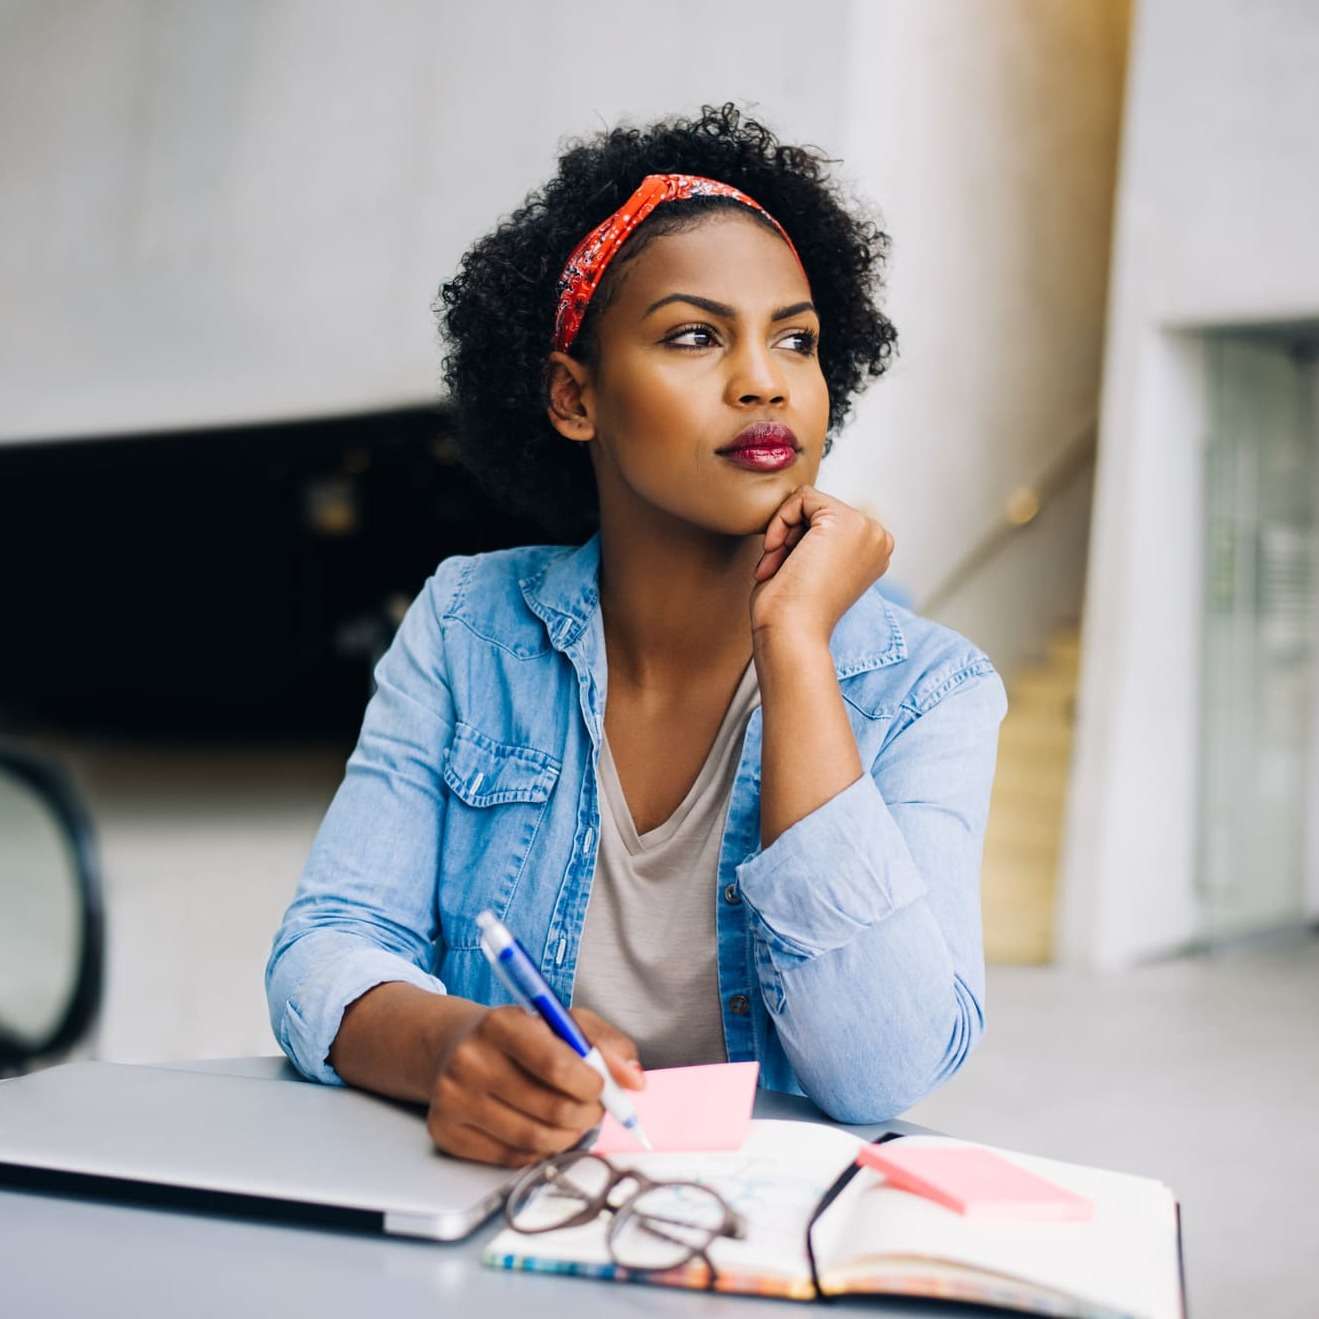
(647, 961)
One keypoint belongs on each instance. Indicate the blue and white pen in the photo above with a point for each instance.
(528, 986)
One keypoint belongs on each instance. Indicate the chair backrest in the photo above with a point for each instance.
(52, 924)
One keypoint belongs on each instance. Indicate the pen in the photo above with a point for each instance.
(518, 972)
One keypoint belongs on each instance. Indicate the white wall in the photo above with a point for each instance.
(1218, 194)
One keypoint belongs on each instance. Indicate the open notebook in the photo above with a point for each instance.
(1124, 1260)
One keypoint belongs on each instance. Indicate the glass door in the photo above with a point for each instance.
(1258, 689)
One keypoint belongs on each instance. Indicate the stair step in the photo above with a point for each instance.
(1046, 691)
(1032, 737)
(1025, 942)
(1038, 780)
(1064, 649)
(1030, 840)
(1017, 915)
(1016, 890)
(1009, 828)
(1012, 870)
(1018, 864)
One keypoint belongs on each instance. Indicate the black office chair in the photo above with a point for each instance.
(52, 923)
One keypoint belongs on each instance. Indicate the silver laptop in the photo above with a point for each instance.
(265, 1140)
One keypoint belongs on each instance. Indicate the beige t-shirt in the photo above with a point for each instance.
(647, 957)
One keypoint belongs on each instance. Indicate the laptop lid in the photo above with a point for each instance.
(288, 1142)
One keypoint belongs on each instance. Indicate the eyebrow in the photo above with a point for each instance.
(722, 308)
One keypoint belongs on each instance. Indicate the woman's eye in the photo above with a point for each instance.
(692, 336)
(805, 341)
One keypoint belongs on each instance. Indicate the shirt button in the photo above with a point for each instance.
(731, 894)
(739, 1005)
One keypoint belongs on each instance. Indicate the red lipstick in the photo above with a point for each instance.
(764, 446)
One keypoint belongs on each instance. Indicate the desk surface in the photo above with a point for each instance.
(60, 1254)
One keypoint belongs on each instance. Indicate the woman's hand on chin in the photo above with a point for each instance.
(820, 556)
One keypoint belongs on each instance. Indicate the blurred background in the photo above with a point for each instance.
(226, 466)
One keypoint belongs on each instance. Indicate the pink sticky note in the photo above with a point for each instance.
(973, 1181)
(688, 1108)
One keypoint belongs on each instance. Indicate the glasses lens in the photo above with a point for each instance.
(557, 1192)
(665, 1226)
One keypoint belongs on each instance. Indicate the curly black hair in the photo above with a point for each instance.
(497, 313)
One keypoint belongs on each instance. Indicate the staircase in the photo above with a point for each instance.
(1023, 838)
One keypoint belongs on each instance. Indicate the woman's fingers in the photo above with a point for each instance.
(536, 1049)
(789, 524)
(517, 1131)
(628, 1072)
(524, 1092)
(618, 1049)
(788, 514)
(771, 560)
(465, 1141)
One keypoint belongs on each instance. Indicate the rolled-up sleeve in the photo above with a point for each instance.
(865, 914)
(365, 911)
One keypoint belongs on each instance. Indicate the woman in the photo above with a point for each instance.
(730, 797)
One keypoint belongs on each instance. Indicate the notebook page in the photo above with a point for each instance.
(774, 1181)
(1125, 1258)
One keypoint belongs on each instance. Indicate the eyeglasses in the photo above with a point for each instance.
(656, 1225)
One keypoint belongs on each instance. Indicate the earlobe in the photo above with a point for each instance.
(568, 397)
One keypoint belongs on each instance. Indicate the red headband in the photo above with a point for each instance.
(585, 267)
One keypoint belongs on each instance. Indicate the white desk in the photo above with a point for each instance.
(66, 1255)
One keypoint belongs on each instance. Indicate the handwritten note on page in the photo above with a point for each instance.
(687, 1109)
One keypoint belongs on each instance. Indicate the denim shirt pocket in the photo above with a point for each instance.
(500, 794)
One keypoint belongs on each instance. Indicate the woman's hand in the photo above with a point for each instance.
(508, 1090)
(820, 555)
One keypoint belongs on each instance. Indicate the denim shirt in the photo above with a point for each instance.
(849, 950)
